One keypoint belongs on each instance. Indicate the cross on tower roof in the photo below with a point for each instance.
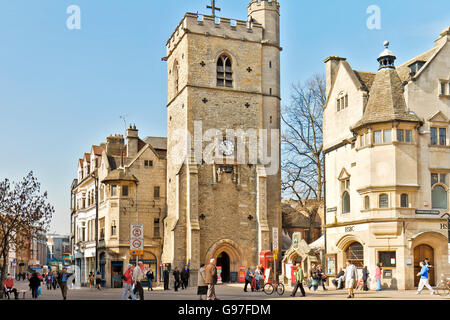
(213, 7)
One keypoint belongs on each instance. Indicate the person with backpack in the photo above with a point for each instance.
(127, 280)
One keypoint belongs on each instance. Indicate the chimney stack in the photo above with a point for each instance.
(132, 141)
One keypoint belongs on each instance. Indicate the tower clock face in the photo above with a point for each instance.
(226, 147)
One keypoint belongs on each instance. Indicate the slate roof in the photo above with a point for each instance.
(366, 78)
(119, 175)
(386, 100)
(158, 143)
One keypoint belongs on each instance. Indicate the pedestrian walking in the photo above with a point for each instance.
(424, 281)
(351, 276)
(378, 276)
(35, 284)
(91, 280)
(202, 288)
(54, 279)
(314, 278)
(63, 276)
(365, 277)
(176, 279)
(98, 280)
(138, 275)
(211, 280)
(149, 275)
(127, 280)
(248, 279)
(166, 276)
(185, 277)
(299, 276)
(321, 277)
(49, 281)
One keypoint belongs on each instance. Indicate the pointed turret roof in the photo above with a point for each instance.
(386, 101)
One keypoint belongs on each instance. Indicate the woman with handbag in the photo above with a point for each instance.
(322, 277)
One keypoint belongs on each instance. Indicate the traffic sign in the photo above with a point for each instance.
(275, 239)
(137, 252)
(136, 237)
(275, 251)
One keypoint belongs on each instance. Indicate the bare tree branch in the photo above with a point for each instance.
(302, 140)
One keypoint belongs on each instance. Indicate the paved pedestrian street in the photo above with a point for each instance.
(229, 292)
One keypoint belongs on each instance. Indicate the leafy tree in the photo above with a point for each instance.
(24, 212)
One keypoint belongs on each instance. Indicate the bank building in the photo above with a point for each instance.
(387, 165)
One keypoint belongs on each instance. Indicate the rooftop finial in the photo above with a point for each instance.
(386, 58)
(213, 8)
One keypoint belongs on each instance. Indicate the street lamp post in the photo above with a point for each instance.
(96, 221)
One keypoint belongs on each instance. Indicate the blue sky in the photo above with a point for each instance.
(63, 90)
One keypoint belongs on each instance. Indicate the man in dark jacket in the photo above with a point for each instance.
(176, 278)
(166, 275)
(211, 280)
(185, 277)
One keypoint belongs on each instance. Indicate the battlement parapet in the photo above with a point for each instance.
(215, 26)
(263, 4)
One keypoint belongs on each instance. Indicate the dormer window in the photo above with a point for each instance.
(416, 66)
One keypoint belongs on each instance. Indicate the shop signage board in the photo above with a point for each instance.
(433, 212)
(136, 238)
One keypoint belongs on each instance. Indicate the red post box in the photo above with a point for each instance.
(293, 272)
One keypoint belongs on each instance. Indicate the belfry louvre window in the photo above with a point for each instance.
(355, 253)
(224, 72)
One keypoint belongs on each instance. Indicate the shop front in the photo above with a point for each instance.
(397, 250)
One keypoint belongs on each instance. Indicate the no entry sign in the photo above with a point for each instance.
(136, 237)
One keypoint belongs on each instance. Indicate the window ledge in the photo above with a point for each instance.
(438, 146)
(445, 96)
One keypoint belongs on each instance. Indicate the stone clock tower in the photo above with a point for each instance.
(223, 197)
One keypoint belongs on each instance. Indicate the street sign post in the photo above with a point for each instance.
(136, 240)
(275, 250)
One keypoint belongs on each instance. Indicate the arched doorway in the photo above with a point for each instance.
(355, 253)
(223, 260)
(420, 253)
